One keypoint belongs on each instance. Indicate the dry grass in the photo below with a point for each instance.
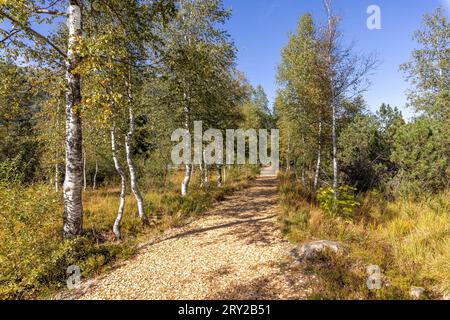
(409, 240)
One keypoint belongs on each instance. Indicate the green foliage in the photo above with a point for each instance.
(421, 150)
(10, 171)
(429, 69)
(366, 145)
(342, 206)
(32, 253)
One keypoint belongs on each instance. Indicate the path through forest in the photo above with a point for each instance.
(235, 251)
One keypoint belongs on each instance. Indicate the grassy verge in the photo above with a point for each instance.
(33, 257)
(408, 240)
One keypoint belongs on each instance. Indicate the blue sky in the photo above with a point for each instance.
(260, 30)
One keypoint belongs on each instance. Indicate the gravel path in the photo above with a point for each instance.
(235, 251)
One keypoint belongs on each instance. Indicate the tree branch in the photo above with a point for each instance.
(51, 12)
(9, 35)
(34, 32)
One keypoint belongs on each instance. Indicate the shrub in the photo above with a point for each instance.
(343, 205)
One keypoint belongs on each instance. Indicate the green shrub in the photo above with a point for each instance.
(342, 206)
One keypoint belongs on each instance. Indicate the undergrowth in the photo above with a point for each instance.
(408, 240)
(33, 257)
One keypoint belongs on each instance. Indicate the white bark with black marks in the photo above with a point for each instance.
(94, 179)
(73, 206)
(319, 155)
(57, 177)
(219, 176)
(123, 177)
(84, 170)
(186, 180)
(129, 156)
(188, 170)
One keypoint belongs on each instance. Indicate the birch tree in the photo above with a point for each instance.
(198, 63)
(301, 104)
(43, 49)
(429, 68)
(345, 72)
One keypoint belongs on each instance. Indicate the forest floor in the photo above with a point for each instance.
(234, 251)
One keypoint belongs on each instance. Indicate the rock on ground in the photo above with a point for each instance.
(310, 250)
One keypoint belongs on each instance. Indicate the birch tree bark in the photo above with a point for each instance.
(330, 39)
(121, 172)
(84, 170)
(129, 156)
(73, 206)
(94, 180)
(57, 177)
(319, 155)
(205, 172)
(186, 180)
(188, 167)
(219, 176)
(205, 180)
(335, 163)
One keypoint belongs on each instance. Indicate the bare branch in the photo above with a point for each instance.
(50, 12)
(9, 35)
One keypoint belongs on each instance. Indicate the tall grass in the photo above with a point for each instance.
(408, 239)
(33, 257)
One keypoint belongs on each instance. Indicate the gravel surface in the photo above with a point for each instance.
(235, 251)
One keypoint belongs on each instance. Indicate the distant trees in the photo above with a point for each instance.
(323, 120)
(429, 69)
(317, 75)
(198, 77)
(301, 105)
(133, 71)
(18, 97)
(366, 145)
(422, 147)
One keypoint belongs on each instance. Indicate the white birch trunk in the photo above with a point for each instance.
(319, 155)
(335, 164)
(94, 182)
(56, 177)
(119, 169)
(328, 7)
(73, 206)
(205, 171)
(219, 176)
(188, 171)
(201, 174)
(84, 170)
(187, 179)
(206, 181)
(132, 170)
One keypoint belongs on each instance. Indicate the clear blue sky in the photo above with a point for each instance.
(260, 29)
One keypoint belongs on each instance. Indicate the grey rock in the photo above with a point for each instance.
(309, 250)
(416, 292)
